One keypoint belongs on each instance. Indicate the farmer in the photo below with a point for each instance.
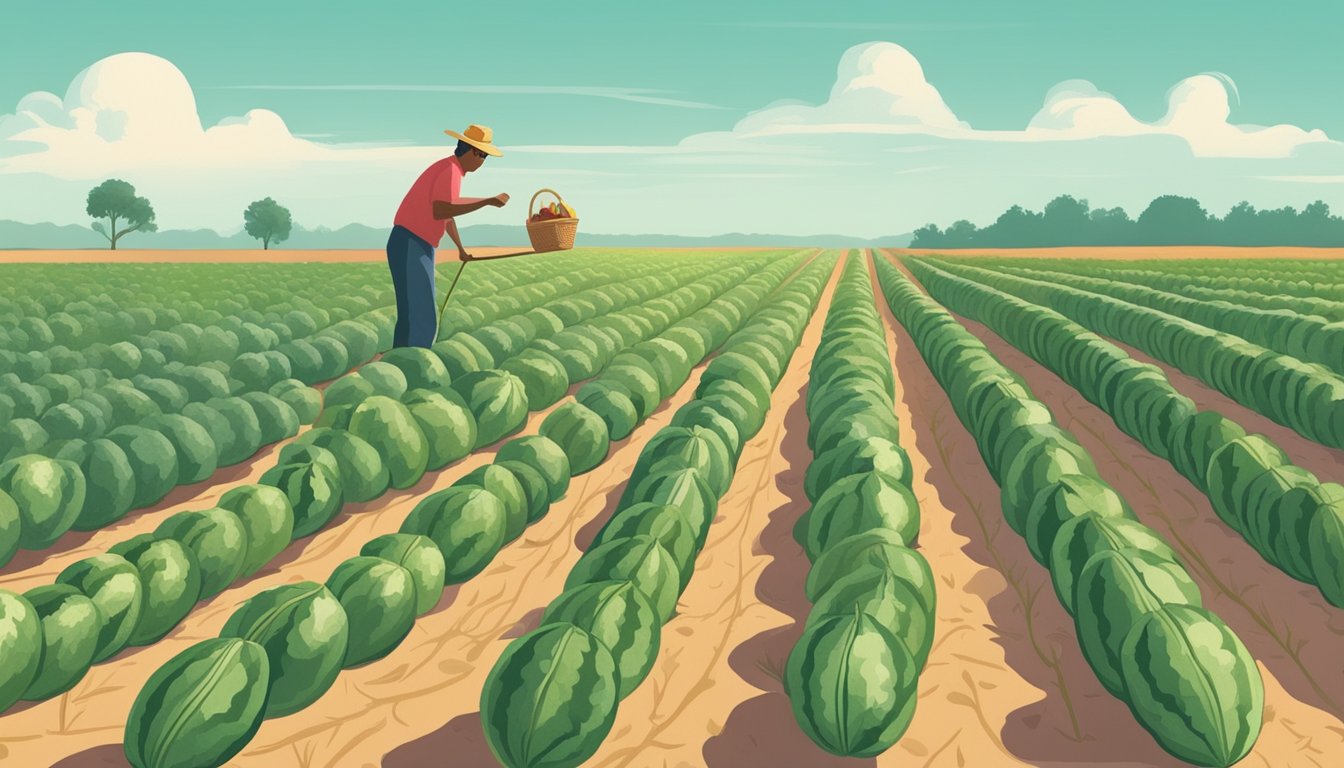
(429, 209)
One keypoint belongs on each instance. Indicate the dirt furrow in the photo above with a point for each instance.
(702, 672)
(1293, 634)
(1006, 682)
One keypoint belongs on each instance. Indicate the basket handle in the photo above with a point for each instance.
(531, 204)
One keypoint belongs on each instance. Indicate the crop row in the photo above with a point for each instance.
(401, 418)
(853, 676)
(1187, 678)
(1198, 285)
(285, 646)
(1310, 338)
(552, 696)
(1293, 520)
(1305, 397)
(138, 463)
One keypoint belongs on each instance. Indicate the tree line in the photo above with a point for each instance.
(1168, 220)
(116, 201)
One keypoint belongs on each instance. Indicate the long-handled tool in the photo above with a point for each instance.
(444, 306)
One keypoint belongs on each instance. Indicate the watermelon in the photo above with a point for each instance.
(466, 523)
(448, 427)
(851, 684)
(664, 522)
(1192, 684)
(363, 474)
(1082, 537)
(618, 616)
(1114, 591)
(876, 549)
(640, 559)
(49, 494)
(581, 434)
(70, 632)
(304, 631)
(542, 454)
(1325, 551)
(200, 708)
(388, 426)
(508, 489)
(536, 492)
(313, 490)
(529, 711)
(267, 519)
(113, 584)
(498, 401)
(1069, 497)
(171, 582)
(855, 504)
(217, 539)
(20, 646)
(888, 599)
(420, 557)
(611, 402)
(379, 600)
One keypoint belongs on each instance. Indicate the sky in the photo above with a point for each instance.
(862, 118)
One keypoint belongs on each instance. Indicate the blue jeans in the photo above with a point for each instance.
(411, 261)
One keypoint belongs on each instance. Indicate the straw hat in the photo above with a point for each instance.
(478, 136)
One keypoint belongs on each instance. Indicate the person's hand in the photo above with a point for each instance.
(499, 200)
(462, 255)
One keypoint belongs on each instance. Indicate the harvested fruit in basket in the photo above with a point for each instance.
(553, 211)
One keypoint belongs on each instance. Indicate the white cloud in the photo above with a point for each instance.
(1198, 111)
(879, 88)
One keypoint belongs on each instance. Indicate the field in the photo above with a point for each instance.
(675, 508)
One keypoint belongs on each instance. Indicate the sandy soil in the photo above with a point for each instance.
(1136, 253)
(1290, 630)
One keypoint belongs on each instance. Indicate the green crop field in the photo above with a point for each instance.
(637, 507)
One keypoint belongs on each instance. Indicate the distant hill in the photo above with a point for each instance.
(17, 235)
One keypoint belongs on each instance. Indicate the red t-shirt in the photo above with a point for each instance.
(440, 182)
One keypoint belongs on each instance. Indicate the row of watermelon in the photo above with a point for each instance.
(219, 372)
(143, 587)
(155, 451)
(77, 309)
(852, 677)
(1187, 678)
(287, 645)
(1196, 285)
(1311, 338)
(380, 442)
(1293, 519)
(604, 629)
(1306, 397)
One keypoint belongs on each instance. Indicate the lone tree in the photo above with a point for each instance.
(268, 221)
(115, 200)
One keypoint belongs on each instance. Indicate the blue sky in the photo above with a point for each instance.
(612, 74)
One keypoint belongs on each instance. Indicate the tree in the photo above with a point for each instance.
(1173, 220)
(1111, 226)
(116, 200)
(927, 236)
(1066, 222)
(268, 221)
(1015, 228)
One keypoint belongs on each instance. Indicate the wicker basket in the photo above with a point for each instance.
(552, 234)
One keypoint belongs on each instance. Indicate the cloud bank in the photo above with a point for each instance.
(882, 153)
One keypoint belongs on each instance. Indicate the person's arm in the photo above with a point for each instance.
(451, 229)
(445, 209)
